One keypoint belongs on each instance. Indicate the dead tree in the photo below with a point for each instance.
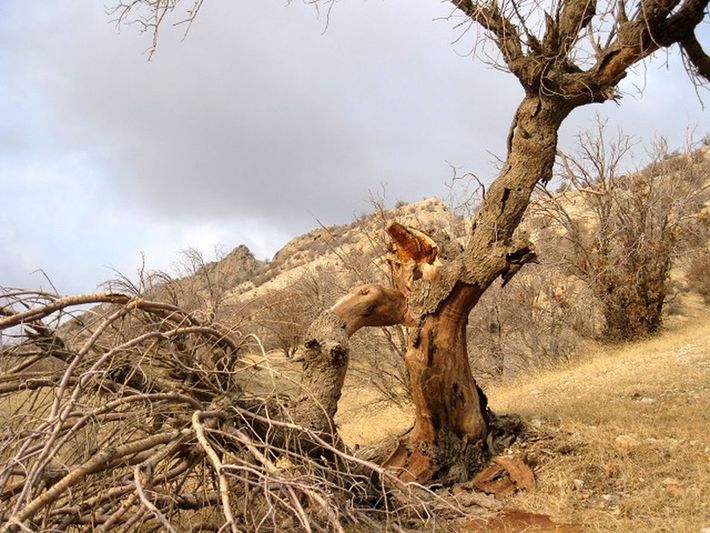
(434, 295)
(565, 54)
(132, 415)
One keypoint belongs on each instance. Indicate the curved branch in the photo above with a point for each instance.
(507, 37)
(197, 418)
(327, 351)
(652, 29)
(370, 305)
(36, 313)
(97, 463)
(696, 56)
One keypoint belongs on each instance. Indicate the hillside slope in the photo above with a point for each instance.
(352, 247)
(619, 442)
(623, 438)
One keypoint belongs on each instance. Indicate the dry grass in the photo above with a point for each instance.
(621, 442)
(364, 419)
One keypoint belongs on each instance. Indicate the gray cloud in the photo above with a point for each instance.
(260, 114)
(258, 122)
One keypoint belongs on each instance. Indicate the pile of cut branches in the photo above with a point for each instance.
(126, 414)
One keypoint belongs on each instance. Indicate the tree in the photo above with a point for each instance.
(138, 414)
(637, 224)
(567, 54)
(284, 315)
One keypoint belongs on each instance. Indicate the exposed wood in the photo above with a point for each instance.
(434, 296)
(414, 256)
(370, 305)
(505, 476)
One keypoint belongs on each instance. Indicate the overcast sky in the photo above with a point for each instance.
(250, 129)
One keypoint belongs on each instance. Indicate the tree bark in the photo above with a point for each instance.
(451, 423)
(436, 286)
(327, 356)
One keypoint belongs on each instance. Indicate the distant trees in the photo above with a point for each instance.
(283, 316)
(699, 273)
(538, 320)
(623, 227)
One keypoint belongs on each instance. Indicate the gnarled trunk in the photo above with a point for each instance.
(451, 425)
(434, 294)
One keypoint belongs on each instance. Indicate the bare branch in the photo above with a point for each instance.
(506, 35)
(197, 418)
(95, 464)
(696, 56)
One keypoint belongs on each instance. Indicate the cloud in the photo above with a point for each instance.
(249, 129)
(258, 112)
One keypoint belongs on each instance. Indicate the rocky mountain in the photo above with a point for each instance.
(350, 251)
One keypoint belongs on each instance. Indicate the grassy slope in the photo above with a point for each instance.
(620, 442)
(631, 426)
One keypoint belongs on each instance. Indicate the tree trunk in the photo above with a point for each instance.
(435, 289)
(327, 352)
(451, 422)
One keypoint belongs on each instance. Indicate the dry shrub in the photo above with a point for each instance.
(620, 233)
(538, 320)
(281, 316)
(378, 364)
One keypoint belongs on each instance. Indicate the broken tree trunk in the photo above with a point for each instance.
(450, 426)
(448, 441)
(435, 290)
(327, 354)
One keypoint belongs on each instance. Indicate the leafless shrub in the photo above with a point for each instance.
(699, 275)
(282, 316)
(538, 320)
(378, 364)
(620, 232)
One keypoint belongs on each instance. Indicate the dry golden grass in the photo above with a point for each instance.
(363, 418)
(619, 441)
(622, 439)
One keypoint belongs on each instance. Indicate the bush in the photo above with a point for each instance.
(699, 275)
(634, 226)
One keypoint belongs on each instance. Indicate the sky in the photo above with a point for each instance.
(259, 125)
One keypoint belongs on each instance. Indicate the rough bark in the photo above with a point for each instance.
(434, 295)
(327, 352)
(448, 441)
(449, 436)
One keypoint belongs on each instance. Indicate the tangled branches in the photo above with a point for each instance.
(133, 415)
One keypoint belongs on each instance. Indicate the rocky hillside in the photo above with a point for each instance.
(618, 441)
(349, 251)
(353, 252)
(565, 296)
